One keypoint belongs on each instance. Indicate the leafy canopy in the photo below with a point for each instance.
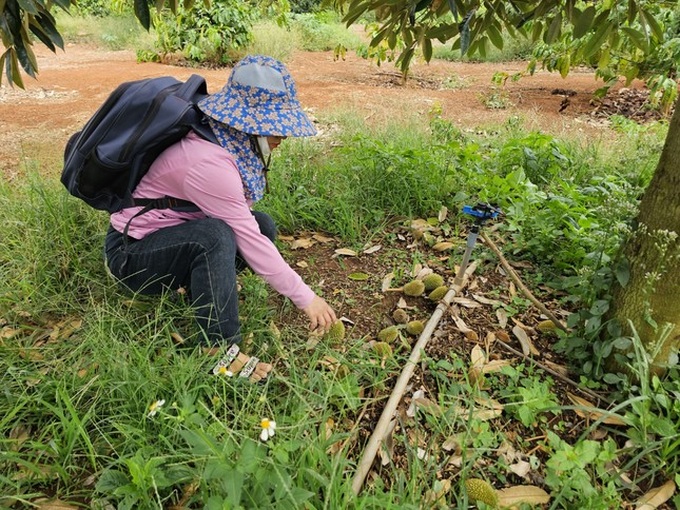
(630, 38)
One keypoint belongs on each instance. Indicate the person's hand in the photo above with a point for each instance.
(321, 315)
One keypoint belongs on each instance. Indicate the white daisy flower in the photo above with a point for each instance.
(268, 429)
(153, 408)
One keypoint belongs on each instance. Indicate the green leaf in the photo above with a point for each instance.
(427, 49)
(637, 38)
(233, 486)
(28, 6)
(584, 22)
(597, 39)
(354, 12)
(13, 69)
(495, 36)
(564, 65)
(632, 11)
(648, 18)
(142, 13)
(622, 272)
(358, 277)
(599, 307)
(453, 9)
(554, 30)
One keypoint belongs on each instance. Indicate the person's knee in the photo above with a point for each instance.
(215, 233)
(266, 224)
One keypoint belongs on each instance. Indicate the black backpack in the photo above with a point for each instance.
(104, 162)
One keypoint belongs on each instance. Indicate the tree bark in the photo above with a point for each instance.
(650, 301)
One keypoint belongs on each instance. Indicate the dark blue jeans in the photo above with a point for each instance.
(199, 255)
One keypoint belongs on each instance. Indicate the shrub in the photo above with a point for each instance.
(207, 35)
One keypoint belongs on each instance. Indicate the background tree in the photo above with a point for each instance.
(629, 38)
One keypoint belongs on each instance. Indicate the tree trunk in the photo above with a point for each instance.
(651, 299)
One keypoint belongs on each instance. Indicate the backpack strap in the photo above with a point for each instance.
(157, 203)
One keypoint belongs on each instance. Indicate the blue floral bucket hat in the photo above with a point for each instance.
(259, 99)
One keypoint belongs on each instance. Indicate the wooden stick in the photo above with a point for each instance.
(381, 427)
(515, 277)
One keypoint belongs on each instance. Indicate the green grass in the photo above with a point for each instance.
(121, 32)
(82, 361)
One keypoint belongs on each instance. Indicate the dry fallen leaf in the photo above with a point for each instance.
(495, 365)
(302, 243)
(521, 468)
(502, 317)
(302, 263)
(593, 413)
(443, 212)
(443, 246)
(322, 239)
(372, 249)
(487, 301)
(529, 494)
(460, 324)
(477, 362)
(524, 340)
(387, 281)
(466, 302)
(346, 251)
(54, 504)
(656, 497)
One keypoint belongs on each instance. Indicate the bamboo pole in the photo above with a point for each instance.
(400, 387)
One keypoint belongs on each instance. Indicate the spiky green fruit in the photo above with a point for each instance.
(336, 333)
(400, 316)
(432, 281)
(414, 288)
(481, 490)
(382, 349)
(438, 293)
(415, 328)
(388, 334)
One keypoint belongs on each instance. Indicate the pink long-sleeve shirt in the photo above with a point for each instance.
(206, 174)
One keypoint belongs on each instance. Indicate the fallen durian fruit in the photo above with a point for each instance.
(415, 328)
(432, 281)
(414, 288)
(438, 293)
(388, 334)
(336, 333)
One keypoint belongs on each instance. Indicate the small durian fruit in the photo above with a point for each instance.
(382, 349)
(414, 288)
(400, 316)
(388, 334)
(336, 333)
(438, 293)
(432, 281)
(415, 328)
(481, 490)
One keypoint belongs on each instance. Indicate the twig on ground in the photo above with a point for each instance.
(390, 408)
(515, 277)
(552, 372)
